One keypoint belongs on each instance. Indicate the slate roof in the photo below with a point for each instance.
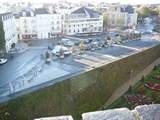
(5, 14)
(86, 11)
(41, 11)
(129, 9)
(24, 13)
(27, 13)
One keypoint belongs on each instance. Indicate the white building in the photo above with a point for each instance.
(41, 24)
(26, 25)
(81, 21)
(10, 32)
(48, 24)
(38, 23)
(122, 15)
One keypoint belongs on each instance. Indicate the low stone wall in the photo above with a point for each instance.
(144, 112)
(81, 93)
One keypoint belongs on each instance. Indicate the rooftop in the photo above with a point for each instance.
(129, 9)
(86, 11)
(41, 11)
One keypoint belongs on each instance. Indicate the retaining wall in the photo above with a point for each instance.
(81, 93)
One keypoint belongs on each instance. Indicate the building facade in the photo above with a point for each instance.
(122, 15)
(41, 24)
(38, 24)
(9, 30)
(82, 21)
(26, 25)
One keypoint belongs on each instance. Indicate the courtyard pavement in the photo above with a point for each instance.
(28, 70)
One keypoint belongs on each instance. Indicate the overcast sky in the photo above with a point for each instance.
(93, 1)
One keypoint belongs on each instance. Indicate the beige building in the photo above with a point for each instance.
(121, 16)
(82, 21)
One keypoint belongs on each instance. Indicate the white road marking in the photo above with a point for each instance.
(132, 48)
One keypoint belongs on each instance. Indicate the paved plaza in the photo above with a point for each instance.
(28, 69)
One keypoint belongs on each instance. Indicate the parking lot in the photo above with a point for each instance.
(141, 44)
(29, 70)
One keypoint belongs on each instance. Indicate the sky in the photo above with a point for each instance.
(93, 1)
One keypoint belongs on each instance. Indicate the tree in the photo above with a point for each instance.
(2, 40)
(143, 12)
(105, 21)
(155, 11)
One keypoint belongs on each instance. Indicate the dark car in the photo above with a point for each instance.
(50, 47)
(102, 43)
(86, 41)
(77, 42)
(88, 47)
(90, 40)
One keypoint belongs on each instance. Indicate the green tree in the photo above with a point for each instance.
(2, 39)
(155, 11)
(143, 12)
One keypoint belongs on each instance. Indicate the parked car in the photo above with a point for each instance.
(88, 47)
(67, 42)
(76, 42)
(90, 40)
(148, 31)
(87, 41)
(58, 50)
(50, 47)
(95, 45)
(3, 61)
(102, 44)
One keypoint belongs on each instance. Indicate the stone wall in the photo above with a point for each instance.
(85, 92)
(144, 112)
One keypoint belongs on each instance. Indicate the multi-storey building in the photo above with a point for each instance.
(26, 25)
(121, 15)
(48, 24)
(38, 23)
(81, 21)
(8, 30)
